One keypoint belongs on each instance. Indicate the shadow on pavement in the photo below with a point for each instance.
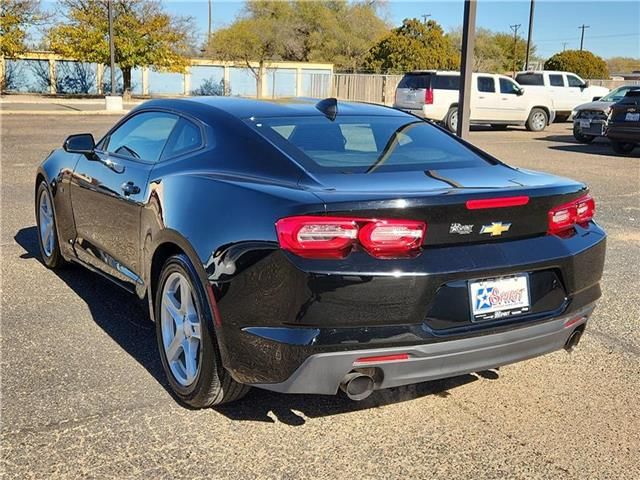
(126, 320)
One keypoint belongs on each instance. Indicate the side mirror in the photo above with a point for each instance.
(80, 143)
(520, 92)
(585, 84)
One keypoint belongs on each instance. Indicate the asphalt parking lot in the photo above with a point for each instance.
(83, 393)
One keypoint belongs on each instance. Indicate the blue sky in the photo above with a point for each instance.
(614, 25)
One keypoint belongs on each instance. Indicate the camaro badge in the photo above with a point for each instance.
(496, 228)
(460, 229)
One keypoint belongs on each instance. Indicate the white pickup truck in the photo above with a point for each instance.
(566, 90)
(496, 100)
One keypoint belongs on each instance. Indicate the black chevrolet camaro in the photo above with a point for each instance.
(307, 247)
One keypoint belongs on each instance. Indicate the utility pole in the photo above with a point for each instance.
(466, 68)
(529, 33)
(515, 44)
(424, 17)
(112, 50)
(564, 46)
(209, 36)
(582, 27)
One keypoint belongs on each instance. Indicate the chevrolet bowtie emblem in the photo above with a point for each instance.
(496, 228)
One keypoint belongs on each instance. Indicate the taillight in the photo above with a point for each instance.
(565, 217)
(428, 96)
(391, 237)
(335, 237)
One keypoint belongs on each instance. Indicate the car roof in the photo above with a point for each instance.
(545, 71)
(451, 72)
(244, 108)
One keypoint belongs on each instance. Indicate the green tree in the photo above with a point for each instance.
(623, 64)
(493, 52)
(144, 35)
(16, 16)
(580, 62)
(337, 31)
(414, 45)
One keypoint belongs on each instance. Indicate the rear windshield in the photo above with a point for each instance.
(415, 81)
(446, 82)
(530, 79)
(359, 144)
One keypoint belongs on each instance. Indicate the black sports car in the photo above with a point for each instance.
(305, 247)
(623, 126)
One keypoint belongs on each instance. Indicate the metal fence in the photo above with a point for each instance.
(47, 73)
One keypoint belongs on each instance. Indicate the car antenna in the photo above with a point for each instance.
(328, 107)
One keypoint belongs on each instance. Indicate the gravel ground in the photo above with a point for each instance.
(83, 394)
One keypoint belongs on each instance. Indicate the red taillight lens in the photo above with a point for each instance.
(428, 96)
(335, 237)
(317, 237)
(565, 217)
(384, 238)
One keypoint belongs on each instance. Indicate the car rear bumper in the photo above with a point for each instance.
(322, 373)
(281, 310)
(624, 133)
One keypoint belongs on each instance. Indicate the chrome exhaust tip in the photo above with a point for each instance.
(357, 386)
(573, 340)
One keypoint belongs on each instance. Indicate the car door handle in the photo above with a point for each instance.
(129, 188)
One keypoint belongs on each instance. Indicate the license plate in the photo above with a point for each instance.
(585, 123)
(632, 117)
(501, 297)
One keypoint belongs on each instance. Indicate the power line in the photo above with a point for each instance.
(582, 27)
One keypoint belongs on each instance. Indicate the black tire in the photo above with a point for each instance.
(213, 385)
(497, 126)
(451, 120)
(622, 147)
(538, 120)
(561, 118)
(54, 258)
(581, 137)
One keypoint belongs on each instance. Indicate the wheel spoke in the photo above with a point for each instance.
(173, 350)
(190, 361)
(169, 302)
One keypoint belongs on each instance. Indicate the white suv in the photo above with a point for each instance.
(495, 100)
(567, 90)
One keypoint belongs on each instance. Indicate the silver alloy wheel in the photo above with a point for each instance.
(181, 326)
(538, 121)
(47, 233)
(454, 120)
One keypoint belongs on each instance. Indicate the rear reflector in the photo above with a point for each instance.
(335, 237)
(497, 202)
(382, 358)
(566, 216)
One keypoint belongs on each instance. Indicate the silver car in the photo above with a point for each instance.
(590, 119)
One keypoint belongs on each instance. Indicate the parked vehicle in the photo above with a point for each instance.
(566, 90)
(623, 126)
(496, 100)
(590, 119)
(305, 248)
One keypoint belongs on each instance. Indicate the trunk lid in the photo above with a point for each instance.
(440, 199)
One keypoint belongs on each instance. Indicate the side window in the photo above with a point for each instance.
(508, 86)
(534, 79)
(142, 137)
(486, 84)
(574, 81)
(446, 82)
(185, 138)
(556, 80)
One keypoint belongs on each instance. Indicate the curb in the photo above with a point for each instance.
(62, 112)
